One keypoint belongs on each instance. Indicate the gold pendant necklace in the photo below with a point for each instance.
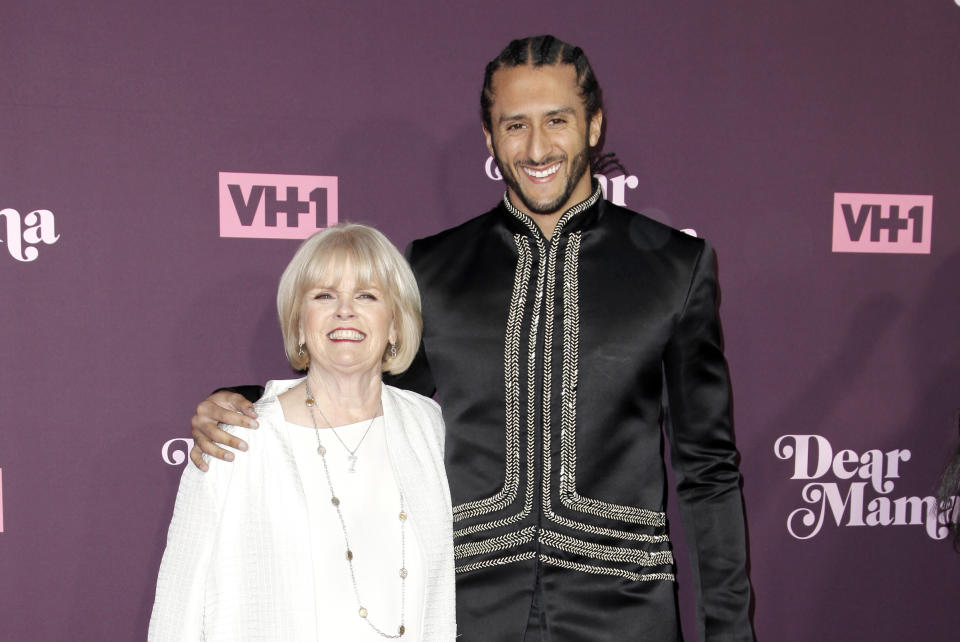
(322, 451)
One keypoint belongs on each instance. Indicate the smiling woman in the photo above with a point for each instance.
(363, 259)
(336, 523)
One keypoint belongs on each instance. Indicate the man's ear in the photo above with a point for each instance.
(489, 138)
(596, 128)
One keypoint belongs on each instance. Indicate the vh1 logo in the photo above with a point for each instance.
(887, 223)
(276, 206)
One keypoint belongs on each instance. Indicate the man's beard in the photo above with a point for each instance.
(578, 166)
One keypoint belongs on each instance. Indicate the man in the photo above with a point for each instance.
(554, 425)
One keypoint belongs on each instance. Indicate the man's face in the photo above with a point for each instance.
(540, 137)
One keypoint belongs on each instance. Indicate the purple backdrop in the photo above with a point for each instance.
(741, 120)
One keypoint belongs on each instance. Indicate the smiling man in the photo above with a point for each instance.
(540, 135)
(552, 326)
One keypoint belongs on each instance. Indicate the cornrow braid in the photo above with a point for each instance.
(539, 51)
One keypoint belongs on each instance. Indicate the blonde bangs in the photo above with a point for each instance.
(324, 259)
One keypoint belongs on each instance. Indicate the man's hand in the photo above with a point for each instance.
(220, 407)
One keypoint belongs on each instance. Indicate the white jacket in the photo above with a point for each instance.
(234, 564)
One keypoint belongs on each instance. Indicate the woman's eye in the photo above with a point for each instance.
(322, 295)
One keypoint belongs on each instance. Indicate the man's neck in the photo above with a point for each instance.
(548, 222)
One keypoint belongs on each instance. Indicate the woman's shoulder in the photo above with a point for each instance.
(411, 400)
(418, 413)
(268, 407)
(270, 419)
(276, 387)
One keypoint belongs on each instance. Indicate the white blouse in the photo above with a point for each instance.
(370, 504)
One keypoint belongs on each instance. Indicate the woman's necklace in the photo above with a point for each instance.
(352, 452)
(361, 610)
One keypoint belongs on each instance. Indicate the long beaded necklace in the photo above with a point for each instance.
(361, 610)
(352, 452)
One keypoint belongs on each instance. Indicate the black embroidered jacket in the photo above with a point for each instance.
(549, 359)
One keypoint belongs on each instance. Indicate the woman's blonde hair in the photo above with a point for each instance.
(322, 259)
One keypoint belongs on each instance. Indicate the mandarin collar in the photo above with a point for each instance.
(563, 224)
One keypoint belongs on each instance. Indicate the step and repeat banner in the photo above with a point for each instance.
(161, 160)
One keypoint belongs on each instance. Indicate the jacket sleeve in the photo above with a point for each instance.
(251, 393)
(705, 460)
(179, 604)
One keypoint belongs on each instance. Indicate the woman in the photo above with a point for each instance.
(335, 524)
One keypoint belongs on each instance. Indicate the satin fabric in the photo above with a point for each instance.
(646, 316)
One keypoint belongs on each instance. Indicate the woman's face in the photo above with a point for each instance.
(346, 327)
